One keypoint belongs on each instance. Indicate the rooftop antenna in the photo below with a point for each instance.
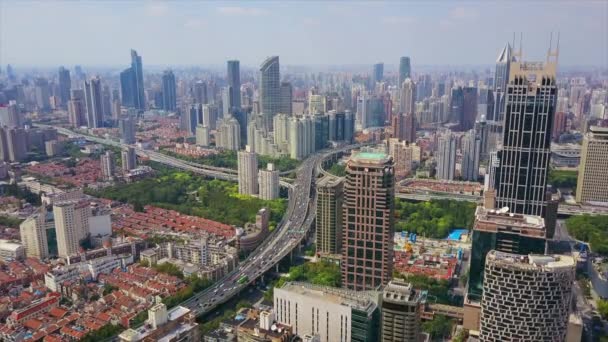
(553, 55)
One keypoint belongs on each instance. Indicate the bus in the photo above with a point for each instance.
(243, 279)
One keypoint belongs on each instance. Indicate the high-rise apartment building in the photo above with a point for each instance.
(169, 96)
(9, 115)
(404, 70)
(126, 127)
(469, 108)
(248, 172)
(202, 135)
(367, 245)
(128, 159)
(329, 215)
(65, 84)
(521, 181)
(270, 90)
(107, 165)
(559, 125)
(269, 182)
(301, 137)
(234, 82)
(471, 150)
(401, 152)
(34, 234)
(71, 225)
(228, 135)
(401, 311)
(446, 156)
(404, 127)
(42, 93)
(407, 104)
(77, 108)
(333, 314)
(200, 92)
(13, 144)
(592, 185)
(526, 297)
(93, 98)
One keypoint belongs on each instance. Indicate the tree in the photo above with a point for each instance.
(439, 327)
(602, 308)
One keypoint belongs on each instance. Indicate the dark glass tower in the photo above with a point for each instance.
(404, 70)
(138, 75)
(234, 81)
(169, 97)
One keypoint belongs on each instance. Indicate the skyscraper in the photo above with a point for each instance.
(404, 69)
(169, 97)
(471, 149)
(200, 92)
(77, 108)
(65, 84)
(248, 172)
(407, 102)
(521, 182)
(329, 215)
(270, 90)
(128, 158)
(127, 88)
(526, 297)
(71, 225)
(228, 135)
(401, 312)
(202, 135)
(33, 233)
(138, 74)
(591, 184)
(226, 101)
(92, 93)
(107, 165)
(269, 182)
(456, 105)
(234, 82)
(501, 80)
(378, 74)
(446, 156)
(367, 245)
(469, 108)
(286, 98)
(9, 115)
(126, 126)
(42, 93)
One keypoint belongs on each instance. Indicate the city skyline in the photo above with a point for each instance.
(307, 36)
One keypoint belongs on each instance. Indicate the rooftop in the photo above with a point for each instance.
(369, 157)
(359, 300)
(536, 261)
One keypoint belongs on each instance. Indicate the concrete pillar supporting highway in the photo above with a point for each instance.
(276, 268)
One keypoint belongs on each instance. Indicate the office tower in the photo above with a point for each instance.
(127, 88)
(93, 99)
(316, 104)
(401, 152)
(77, 108)
(524, 158)
(471, 150)
(333, 314)
(469, 108)
(234, 82)
(169, 97)
(483, 132)
(71, 225)
(349, 126)
(329, 215)
(270, 90)
(321, 131)
(269, 183)
(191, 117)
(228, 134)
(378, 74)
(42, 93)
(559, 125)
(503, 231)
(9, 115)
(301, 137)
(128, 158)
(286, 98)
(592, 185)
(202, 135)
(33, 233)
(226, 100)
(404, 70)
(106, 102)
(408, 97)
(248, 172)
(367, 245)
(401, 312)
(363, 111)
(446, 156)
(456, 105)
(404, 127)
(501, 80)
(526, 297)
(210, 116)
(107, 165)
(138, 75)
(65, 84)
(126, 126)
(200, 92)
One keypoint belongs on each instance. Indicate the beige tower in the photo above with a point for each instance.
(71, 225)
(592, 182)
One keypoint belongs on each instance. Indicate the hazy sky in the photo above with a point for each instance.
(433, 32)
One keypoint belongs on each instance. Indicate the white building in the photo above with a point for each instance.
(471, 150)
(228, 135)
(128, 159)
(248, 171)
(11, 250)
(446, 157)
(202, 135)
(71, 225)
(269, 183)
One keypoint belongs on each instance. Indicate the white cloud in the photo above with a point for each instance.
(242, 11)
(398, 20)
(194, 23)
(157, 9)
